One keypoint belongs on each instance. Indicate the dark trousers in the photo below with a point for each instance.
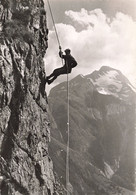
(57, 72)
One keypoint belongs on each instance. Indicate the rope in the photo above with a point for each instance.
(53, 22)
(68, 133)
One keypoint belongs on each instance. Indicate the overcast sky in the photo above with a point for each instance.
(98, 32)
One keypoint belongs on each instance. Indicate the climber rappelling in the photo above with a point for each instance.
(70, 63)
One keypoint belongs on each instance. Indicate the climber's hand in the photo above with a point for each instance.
(59, 47)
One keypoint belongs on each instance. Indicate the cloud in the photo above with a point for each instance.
(95, 40)
(87, 18)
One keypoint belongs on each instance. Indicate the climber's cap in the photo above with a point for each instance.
(67, 51)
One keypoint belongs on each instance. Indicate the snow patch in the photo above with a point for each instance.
(101, 172)
(108, 84)
(131, 86)
(103, 91)
(110, 79)
(82, 76)
(108, 170)
(117, 162)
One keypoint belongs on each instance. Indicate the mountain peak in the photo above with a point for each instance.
(102, 127)
(110, 81)
(106, 81)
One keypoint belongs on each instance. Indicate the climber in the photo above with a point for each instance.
(70, 63)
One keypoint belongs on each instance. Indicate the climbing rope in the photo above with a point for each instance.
(68, 133)
(68, 114)
(53, 22)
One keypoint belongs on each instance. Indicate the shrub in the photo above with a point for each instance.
(15, 29)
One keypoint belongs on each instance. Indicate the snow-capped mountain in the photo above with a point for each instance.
(102, 129)
(108, 81)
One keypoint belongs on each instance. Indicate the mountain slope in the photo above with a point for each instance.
(102, 126)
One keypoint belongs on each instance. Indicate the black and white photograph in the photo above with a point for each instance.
(67, 97)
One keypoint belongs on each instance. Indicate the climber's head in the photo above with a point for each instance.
(67, 51)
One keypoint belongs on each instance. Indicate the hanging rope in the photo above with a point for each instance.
(68, 133)
(68, 114)
(53, 22)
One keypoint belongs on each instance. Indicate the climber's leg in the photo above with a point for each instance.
(51, 75)
(57, 72)
(51, 80)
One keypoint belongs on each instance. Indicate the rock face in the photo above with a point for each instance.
(25, 165)
(102, 131)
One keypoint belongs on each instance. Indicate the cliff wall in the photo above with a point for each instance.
(25, 165)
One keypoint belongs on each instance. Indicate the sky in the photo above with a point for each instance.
(98, 32)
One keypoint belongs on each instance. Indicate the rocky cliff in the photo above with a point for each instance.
(102, 131)
(25, 165)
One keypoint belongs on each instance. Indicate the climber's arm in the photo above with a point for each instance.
(61, 53)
